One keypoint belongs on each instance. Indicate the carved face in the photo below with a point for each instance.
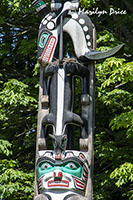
(67, 172)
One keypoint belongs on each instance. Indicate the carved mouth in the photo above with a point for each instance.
(62, 183)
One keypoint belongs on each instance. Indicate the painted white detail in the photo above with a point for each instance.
(89, 44)
(50, 25)
(41, 153)
(49, 17)
(87, 50)
(75, 6)
(55, 6)
(88, 37)
(74, 15)
(55, 34)
(60, 100)
(74, 29)
(59, 195)
(70, 6)
(45, 22)
(67, 6)
(76, 32)
(81, 21)
(85, 28)
(57, 191)
(40, 26)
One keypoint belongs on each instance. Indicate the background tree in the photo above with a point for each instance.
(19, 96)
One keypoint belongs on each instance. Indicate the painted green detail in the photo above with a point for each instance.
(71, 168)
(44, 168)
(39, 4)
(43, 39)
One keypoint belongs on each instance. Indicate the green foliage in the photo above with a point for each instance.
(14, 183)
(4, 147)
(13, 96)
(125, 120)
(18, 98)
(113, 146)
(114, 123)
(87, 3)
(23, 49)
(123, 174)
(106, 40)
(15, 93)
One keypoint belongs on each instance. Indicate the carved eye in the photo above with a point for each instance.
(45, 166)
(71, 165)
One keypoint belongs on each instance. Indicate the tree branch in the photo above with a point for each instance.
(121, 84)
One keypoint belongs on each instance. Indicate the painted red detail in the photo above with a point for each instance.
(62, 183)
(58, 157)
(49, 49)
(85, 179)
(58, 174)
(40, 183)
(82, 156)
(79, 184)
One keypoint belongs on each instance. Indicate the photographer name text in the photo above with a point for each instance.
(111, 12)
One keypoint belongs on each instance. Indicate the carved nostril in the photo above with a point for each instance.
(58, 175)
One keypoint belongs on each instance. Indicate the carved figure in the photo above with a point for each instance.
(62, 176)
(62, 172)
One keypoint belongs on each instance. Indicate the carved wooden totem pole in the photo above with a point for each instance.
(63, 173)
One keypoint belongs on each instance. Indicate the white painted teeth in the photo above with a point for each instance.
(45, 22)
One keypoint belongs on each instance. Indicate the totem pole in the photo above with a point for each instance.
(63, 173)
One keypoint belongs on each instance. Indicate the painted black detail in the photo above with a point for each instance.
(97, 55)
(63, 159)
(59, 142)
(45, 159)
(69, 117)
(48, 196)
(68, 196)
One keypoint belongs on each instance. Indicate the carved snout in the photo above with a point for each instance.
(58, 175)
